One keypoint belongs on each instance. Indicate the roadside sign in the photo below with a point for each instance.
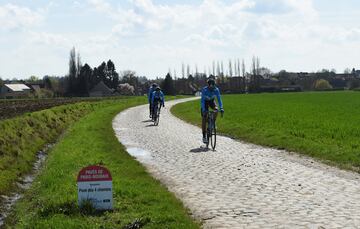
(95, 185)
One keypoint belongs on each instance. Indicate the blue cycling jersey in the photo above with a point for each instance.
(157, 95)
(208, 95)
(151, 90)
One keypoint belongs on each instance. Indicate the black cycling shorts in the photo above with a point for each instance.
(157, 101)
(210, 103)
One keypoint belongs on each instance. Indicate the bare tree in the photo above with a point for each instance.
(183, 70)
(188, 70)
(72, 71)
(218, 68)
(230, 69)
(222, 68)
(255, 79)
(72, 62)
(235, 68)
(245, 80)
(257, 66)
(213, 67)
(253, 66)
(243, 68)
(78, 65)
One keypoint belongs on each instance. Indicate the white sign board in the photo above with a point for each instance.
(95, 185)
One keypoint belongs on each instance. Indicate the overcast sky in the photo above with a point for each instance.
(151, 36)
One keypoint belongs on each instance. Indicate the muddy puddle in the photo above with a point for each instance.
(8, 201)
(139, 153)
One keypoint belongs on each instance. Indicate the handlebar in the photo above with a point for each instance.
(216, 111)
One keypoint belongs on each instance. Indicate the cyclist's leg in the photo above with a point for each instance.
(150, 108)
(204, 120)
(155, 106)
(204, 116)
(160, 104)
(213, 106)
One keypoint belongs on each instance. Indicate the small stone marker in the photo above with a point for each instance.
(95, 185)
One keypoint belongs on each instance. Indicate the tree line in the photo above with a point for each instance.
(82, 78)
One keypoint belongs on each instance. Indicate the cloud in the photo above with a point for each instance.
(224, 29)
(101, 5)
(270, 7)
(151, 37)
(304, 7)
(250, 17)
(49, 39)
(16, 17)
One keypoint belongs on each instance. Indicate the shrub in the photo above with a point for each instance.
(126, 89)
(322, 84)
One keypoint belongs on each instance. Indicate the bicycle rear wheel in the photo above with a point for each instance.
(157, 116)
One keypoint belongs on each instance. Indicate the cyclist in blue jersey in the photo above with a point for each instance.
(157, 97)
(208, 95)
(151, 90)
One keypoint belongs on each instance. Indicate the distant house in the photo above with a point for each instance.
(338, 83)
(35, 87)
(101, 90)
(14, 91)
(357, 73)
(235, 84)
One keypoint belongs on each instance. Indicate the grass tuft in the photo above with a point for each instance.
(137, 223)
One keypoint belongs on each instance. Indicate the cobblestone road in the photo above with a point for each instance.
(240, 185)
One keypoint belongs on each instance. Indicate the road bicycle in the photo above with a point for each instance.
(156, 113)
(211, 129)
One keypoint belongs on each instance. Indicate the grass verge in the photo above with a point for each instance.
(22, 137)
(324, 125)
(139, 200)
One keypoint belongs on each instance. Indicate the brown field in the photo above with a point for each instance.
(14, 107)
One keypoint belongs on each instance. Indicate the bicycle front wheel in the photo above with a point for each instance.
(213, 138)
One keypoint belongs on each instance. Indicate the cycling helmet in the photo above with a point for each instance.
(158, 88)
(211, 81)
(154, 85)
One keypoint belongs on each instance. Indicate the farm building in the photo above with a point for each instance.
(101, 90)
(35, 87)
(14, 91)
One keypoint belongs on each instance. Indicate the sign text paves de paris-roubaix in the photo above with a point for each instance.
(95, 185)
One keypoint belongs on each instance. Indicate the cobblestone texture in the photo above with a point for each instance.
(240, 185)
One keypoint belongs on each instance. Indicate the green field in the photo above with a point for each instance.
(324, 125)
(139, 199)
